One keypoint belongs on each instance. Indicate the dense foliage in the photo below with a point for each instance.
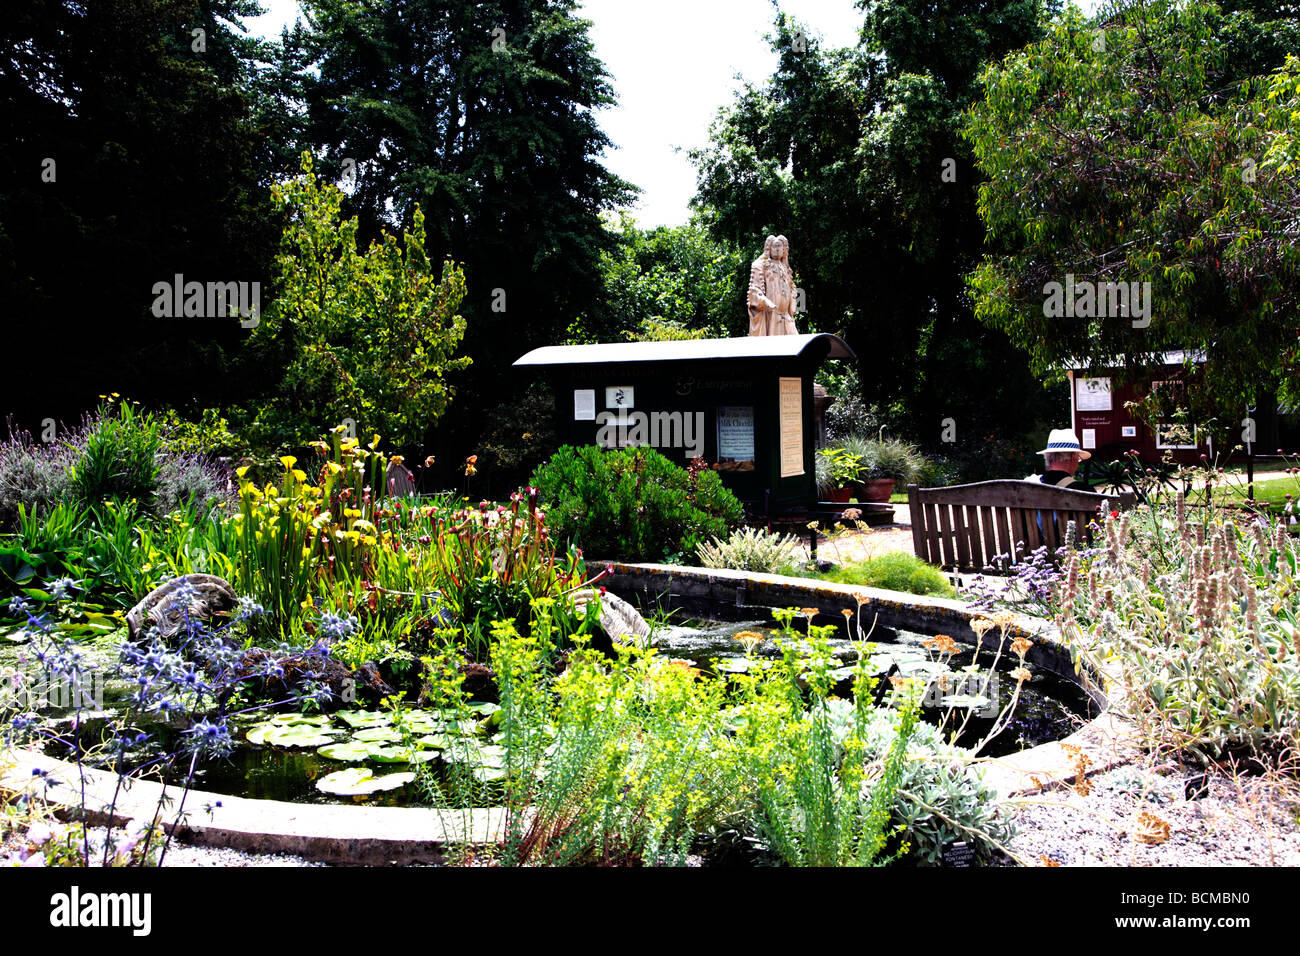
(130, 152)
(364, 336)
(856, 155)
(1155, 144)
(633, 504)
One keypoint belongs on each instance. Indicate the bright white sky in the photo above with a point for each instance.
(673, 64)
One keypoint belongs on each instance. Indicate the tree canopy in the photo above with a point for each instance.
(856, 156)
(1155, 144)
(362, 336)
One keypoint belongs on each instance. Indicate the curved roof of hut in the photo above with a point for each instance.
(819, 345)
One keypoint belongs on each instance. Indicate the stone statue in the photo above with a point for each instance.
(771, 290)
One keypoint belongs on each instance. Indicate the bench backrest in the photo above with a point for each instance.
(966, 526)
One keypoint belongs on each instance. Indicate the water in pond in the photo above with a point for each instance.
(1048, 708)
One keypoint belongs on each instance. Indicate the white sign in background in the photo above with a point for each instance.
(736, 433)
(584, 404)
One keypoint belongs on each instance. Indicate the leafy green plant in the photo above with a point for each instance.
(633, 504)
(894, 571)
(119, 457)
(816, 804)
(750, 549)
(837, 468)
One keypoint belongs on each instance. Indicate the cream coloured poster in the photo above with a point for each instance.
(791, 406)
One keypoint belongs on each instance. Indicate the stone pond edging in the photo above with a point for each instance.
(331, 833)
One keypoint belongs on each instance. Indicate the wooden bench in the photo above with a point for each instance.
(963, 527)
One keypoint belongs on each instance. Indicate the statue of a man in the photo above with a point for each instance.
(771, 290)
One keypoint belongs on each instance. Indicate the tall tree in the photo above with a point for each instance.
(856, 156)
(127, 155)
(485, 115)
(1139, 148)
(668, 282)
(361, 336)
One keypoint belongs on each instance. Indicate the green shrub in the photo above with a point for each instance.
(896, 571)
(119, 456)
(750, 549)
(633, 504)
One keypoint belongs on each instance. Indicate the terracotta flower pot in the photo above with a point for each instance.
(876, 489)
(840, 496)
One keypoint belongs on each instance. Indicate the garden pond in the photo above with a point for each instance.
(365, 756)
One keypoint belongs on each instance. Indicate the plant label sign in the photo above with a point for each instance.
(959, 854)
(584, 404)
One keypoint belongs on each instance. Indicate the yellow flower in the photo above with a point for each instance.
(241, 471)
(1020, 646)
(288, 461)
(809, 612)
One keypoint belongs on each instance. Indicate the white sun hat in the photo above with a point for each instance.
(1064, 440)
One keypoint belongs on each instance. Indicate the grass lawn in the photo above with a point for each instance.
(1272, 493)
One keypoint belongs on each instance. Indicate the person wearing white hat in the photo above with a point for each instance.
(1062, 457)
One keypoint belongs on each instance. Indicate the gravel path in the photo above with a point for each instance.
(1141, 816)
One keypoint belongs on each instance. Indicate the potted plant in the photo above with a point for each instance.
(837, 474)
(885, 463)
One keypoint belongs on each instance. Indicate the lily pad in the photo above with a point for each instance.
(364, 718)
(351, 751)
(308, 736)
(257, 735)
(300, 720)
(483, 708)
(356, 781)
(489, 774)
(401, 755)
(377, 735)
